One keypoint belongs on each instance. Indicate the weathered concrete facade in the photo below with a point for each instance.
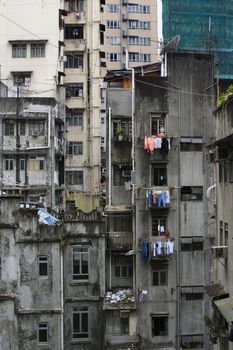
(32, 148)
(50, 293)
(169, 287)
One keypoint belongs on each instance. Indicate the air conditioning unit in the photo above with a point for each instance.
(63, 58)
(220, 251)
(35, 133)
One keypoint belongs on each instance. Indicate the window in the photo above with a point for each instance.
(139, 8)
(76, 5)
(159, 276)
(0, 268)
(114, 40)
(192, 341)
(75, 148)
(80, 264)
(74, 90)
(37, 50)
(120, 223)
(74, 60)
(138, 57)
(134, 24)
(9, 163)
(113, 24)
(113, 8)
(22, 164)
(226, 233)
(159, 325)
(192, 293)
(121, 175)
(159, 174)
(137, 40)
(75, 117)
(22, 128)
(159, 226)
(191, 144)
(158, 123)
(80, 322)
(194, 193)
(19, 50)
(43, 265)
(73, 31)
(22, 78)
(124, 126)
(9, 128)
(36, 163)
(117, 322)
(192, 243)
(221, 232)
(123, 271)
(43, 333)
(37, 128)
(114, 57)
(74, 177)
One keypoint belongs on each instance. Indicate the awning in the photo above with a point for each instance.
(121, 339)
(225, 307)
(216, 290)
(118, 208)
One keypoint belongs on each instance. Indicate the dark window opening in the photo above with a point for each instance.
(159, 325)
(159, 175)
(194, 193)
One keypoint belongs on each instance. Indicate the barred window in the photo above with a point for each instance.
(159, 175)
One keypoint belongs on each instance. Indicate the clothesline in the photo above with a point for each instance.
(156, 142)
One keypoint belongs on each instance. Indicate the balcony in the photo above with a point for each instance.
(158, 197)
(157, 249)
(120, 240)
(123, 299)
(113, 341)
(157, 147)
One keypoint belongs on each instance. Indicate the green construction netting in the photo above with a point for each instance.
(204, 25)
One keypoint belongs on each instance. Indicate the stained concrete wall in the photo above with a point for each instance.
(188, 113)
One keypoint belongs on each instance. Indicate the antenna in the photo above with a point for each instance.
(172, 44)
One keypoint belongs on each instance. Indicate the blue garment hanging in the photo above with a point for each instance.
(145, 250)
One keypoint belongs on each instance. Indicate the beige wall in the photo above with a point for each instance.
(124, 26)
(37, 21)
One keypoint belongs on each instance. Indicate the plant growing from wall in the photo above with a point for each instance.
(121, 134)
(215, 330)
(224, 95)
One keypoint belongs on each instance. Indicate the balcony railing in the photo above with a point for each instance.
(120, 240)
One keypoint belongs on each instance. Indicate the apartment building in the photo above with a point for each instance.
(82, 81)
(158, 257)
(132, 27)
(220, 194)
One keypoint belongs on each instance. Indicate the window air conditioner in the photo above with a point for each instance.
(35, 134)
(220, 251)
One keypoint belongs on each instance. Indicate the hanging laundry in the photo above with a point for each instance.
(161, 248)
(160, 198)
(145, 250)
(165, 146)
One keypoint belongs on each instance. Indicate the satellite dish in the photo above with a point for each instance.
(172, 44)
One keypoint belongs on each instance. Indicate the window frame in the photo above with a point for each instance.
(194, 243)
(9, 163)
(37, 50)
(162, 221)
(75, 59)
(43, 261)
(154, 328)
(159, 270)
(74, 148)
(9, 127)
(19, 50)
(42, 326)
(190, 193)
(81, 276)
(161, 169)
(75, 117)
(72, 174)
(80, 311)
(75, 90)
